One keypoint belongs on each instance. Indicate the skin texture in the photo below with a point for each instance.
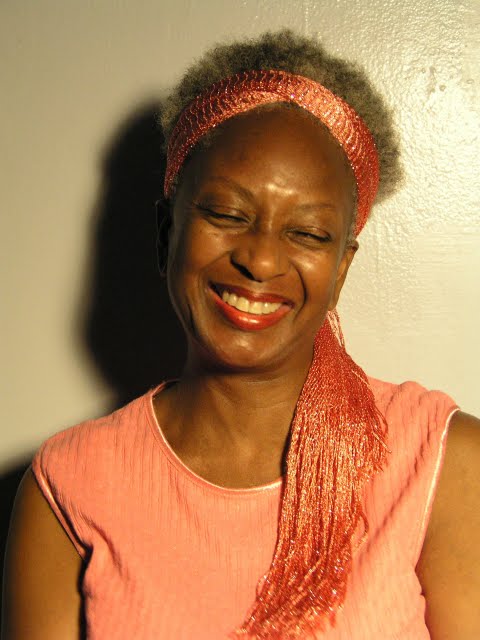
(266, 208)
(41, 599)
(449, 566)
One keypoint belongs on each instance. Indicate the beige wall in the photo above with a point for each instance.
(74, 75)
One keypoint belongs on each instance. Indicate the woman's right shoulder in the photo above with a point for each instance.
(81, 467)
(42, 569)
(72, 447)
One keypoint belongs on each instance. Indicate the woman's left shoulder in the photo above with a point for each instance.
(458, 492)
(463, 438)
(417, 417)
(449, 565)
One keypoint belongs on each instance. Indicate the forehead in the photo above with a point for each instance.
(277, 146)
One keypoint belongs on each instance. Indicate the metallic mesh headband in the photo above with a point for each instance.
(249, 89)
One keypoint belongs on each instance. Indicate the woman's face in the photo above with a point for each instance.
(258, 248)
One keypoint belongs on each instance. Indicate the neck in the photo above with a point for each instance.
(231, 428)
(235, 404)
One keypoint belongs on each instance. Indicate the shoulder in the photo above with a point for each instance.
(409, 396)
(459, 483)
(37, 547)
(81, 469)
(417, 417)
(88, 440)
(458, 489)
(94, 443)
(449, 566)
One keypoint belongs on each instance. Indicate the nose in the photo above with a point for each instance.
(260, 256)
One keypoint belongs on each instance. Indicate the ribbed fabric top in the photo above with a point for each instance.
(172, 556)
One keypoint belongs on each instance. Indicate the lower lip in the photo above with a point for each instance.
(249, 321)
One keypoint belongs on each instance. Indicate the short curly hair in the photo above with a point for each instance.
(288, 51)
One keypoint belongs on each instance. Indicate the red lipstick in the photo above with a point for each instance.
(249, 321)
(251, 295)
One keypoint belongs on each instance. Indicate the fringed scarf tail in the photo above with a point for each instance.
(337, 443)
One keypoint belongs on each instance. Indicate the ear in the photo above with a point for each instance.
(343, 267)
(164, 223)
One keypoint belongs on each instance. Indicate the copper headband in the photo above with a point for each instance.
(249, 89)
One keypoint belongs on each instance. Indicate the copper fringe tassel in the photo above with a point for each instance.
(337, 443)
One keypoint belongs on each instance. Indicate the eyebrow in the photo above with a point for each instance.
(243, 191)
(248, 195)
(316, 206)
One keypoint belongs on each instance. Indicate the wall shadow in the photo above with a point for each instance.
(130, 329)
(126, 321)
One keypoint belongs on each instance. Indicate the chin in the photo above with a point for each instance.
(240, 359)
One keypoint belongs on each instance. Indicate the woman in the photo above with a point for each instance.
(269, 492)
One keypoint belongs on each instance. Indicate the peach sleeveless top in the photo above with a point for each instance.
(170, 556)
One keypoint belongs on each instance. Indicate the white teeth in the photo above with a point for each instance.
(242, 304)
(256, 307)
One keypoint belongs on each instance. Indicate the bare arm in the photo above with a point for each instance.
(449, 566)
(41, 600)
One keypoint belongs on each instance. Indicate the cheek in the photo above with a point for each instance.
(319, 278)
(194, 248)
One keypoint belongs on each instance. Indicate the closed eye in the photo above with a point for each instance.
(310, 237)
(223, 217)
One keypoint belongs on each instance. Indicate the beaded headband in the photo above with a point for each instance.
(249, 89)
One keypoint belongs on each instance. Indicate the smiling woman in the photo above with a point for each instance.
(262, 214)
(274, 490)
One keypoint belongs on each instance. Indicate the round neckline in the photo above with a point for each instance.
(184, 470)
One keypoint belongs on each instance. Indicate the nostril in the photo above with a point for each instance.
(259, 258)
(243, 270)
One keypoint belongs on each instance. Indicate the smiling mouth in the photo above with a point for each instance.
(247, 310)
(254, 307)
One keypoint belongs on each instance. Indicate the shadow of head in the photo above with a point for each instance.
(130, 329)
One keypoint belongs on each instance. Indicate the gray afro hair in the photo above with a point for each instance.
(287, 51)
